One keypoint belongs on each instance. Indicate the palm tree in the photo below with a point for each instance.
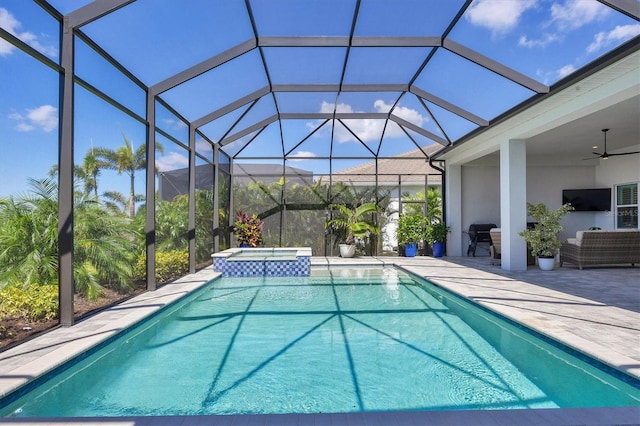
(103, 243)
(125, 159)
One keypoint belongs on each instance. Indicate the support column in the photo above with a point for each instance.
(192, 199)
(455, 246)
(216, 198)
(513, 204)
(150, 224)
(65, 181)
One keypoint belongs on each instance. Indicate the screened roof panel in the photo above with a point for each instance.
(20, 19)
(395, 141)
(545, 43)
(300, 139)
(305, 65)
(217, 128)
(454, 125)
(303, 18)
(371, 65)
(157, 41)
(415, 112)
(301, 102)
(405, 17)
(260, 110)
(470, 86)
(345, 144)
(373, 102)
(171, 124)
(265, 144)
(236, 146)
(66, 6)
(218, 87)
(372, 62)
(95, 70)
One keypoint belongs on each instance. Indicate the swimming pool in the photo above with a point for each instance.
(341, 340)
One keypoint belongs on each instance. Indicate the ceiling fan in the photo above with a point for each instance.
(604, 154)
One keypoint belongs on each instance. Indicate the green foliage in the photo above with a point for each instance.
(29, 236)
(29, 239)
(437, 232)
(433, 201)
(353, 221)
(172, 223)
(170, 265)
(33, 302)
(543, 238)
(124, 159)
(248, 229)
(410, 228)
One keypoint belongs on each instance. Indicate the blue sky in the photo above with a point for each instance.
(542, 39)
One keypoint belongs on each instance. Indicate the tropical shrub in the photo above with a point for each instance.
(248, 229)
(33, 302)
(543, 238)
(170, 265)
(103, 242)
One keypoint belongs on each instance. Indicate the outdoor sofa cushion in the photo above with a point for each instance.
(602, 247)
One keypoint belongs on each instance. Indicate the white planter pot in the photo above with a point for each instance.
(546, 263)
(347, 250)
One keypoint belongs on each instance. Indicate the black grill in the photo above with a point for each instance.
(478, 233)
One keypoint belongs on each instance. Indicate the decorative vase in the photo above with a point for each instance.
(438, 249)
(410, 249)
(546, 263)
(347, 250)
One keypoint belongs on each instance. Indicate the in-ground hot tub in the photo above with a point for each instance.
(263, 262)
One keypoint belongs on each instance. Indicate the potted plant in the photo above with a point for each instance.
(248, 229)
(436, 235)
(409, 232)
(543, 238)
(353, 223)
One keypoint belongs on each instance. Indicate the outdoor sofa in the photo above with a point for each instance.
(602, 247)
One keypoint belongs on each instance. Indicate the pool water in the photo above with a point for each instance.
(341, 340)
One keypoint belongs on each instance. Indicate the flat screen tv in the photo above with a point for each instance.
(588, 200)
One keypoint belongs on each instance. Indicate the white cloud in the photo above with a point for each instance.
(371, 129)
(565, 71)
(618, 34)
(500, 16)
(576, 13)
(172, 161)
(175, 124)
(541, 42)
(10, 24)
(203, 146)
(44, 117)
(302, 155)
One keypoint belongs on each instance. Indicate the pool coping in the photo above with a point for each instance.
(46, 352)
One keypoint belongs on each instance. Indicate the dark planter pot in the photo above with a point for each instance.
(438, 249)
(410, 249)
(244, 245)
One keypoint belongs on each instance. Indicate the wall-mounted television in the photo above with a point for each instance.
(588, 200)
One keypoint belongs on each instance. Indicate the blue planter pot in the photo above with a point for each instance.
(410, 249)
(243, 245)
(438, 249)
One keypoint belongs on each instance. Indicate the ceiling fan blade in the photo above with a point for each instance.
(590, 158)
(625, 153)
(599, 154)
